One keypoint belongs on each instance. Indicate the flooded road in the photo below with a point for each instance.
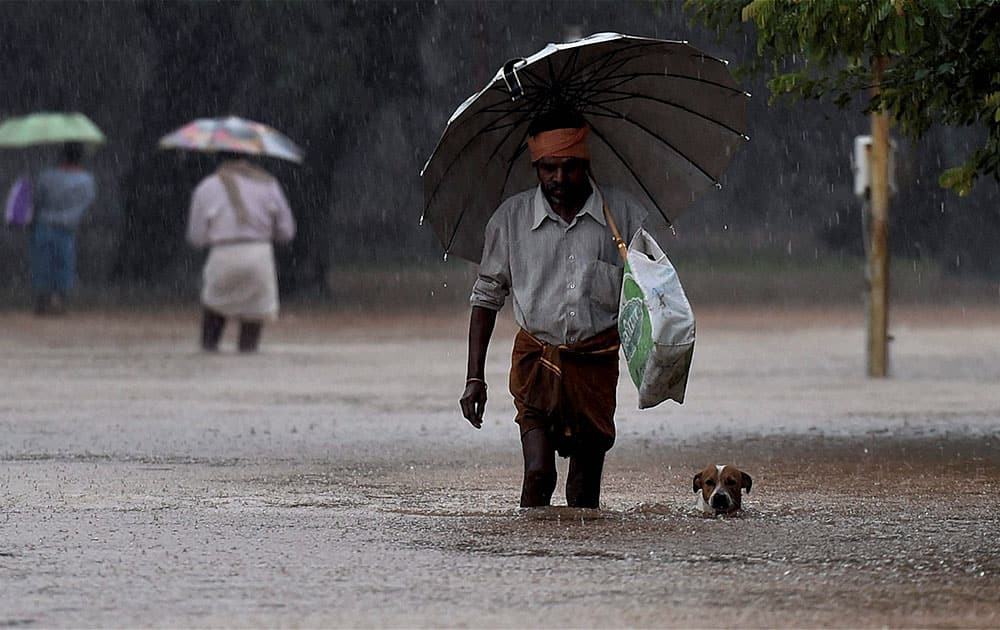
(331, 481)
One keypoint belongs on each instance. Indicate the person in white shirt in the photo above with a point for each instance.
(238, 212)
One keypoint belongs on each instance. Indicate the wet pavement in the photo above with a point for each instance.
(330, 481)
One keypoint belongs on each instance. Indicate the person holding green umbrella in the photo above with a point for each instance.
(62, 194)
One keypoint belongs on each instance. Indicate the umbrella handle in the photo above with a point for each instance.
(510, 70)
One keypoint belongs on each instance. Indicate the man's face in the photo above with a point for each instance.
(564, 180)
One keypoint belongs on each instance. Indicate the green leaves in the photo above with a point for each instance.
(945, 66)
(960, 178)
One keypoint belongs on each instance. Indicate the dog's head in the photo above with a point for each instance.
(720, 489)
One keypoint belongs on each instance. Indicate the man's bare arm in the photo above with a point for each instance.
(473, 401)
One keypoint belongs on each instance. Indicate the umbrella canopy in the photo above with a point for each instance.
(665, 120)
(234, 134)
(49, 128)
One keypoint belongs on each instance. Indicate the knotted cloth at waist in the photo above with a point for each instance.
(569, 389)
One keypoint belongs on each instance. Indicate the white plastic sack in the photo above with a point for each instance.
(656, 323)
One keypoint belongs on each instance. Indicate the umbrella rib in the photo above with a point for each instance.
(582, 87)
(593, 84)
(614, 114)
(458, 154)
(632, 172)
(569, 68)
(552, 70)
(625, 78)
(542, 92)
(530, 102)
(529, 109)
(536, 92)
(610, 65)
(628, 96)
(496, 149)
(625, 96)
(608, 59)
(510, 164)
(490, 126)
(461, 215)
(572, 90)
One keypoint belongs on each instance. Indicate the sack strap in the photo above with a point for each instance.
(233, 192)
(622, 247)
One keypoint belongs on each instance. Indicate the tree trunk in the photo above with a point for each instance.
(878, 302)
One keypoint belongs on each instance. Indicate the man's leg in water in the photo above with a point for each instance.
(583, 481)
(539, 468)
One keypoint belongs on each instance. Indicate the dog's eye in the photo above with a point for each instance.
(730, 482)
(710, 483)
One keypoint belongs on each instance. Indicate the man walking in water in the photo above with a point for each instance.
(551, 250)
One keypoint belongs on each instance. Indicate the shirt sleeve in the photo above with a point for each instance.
(197, 232)
(493, 284)
(284, 221)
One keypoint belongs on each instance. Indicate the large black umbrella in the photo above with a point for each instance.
(665, 119)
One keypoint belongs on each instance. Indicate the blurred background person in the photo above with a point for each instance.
(238, 211)
(62, 195)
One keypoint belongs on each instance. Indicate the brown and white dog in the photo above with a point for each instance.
(720, 488)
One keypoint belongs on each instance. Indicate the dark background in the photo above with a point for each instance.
(366, 87)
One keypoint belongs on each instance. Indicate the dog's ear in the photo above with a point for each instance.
(747, 482)
(697, 482)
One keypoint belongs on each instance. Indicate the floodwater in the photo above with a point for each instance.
(330, 480)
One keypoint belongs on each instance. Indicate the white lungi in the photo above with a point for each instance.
(240, 280)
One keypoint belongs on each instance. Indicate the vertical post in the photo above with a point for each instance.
(878, 316)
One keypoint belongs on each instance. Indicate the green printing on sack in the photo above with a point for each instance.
(635, 327)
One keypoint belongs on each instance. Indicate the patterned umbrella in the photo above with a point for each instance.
(238, 135)
(49, 128)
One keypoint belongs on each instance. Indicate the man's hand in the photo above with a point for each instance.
(473, 402)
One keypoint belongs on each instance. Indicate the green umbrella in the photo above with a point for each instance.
(48, 128)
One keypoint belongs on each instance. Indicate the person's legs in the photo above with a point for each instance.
(212, 325)
(583, 481)
(42, 274)
(63, 267)
(539, 468)
(249, 335)
(64, 260)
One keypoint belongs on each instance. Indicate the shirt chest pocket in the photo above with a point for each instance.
(603, 284)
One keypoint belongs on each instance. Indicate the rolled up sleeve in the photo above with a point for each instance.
(493, 284)
(284, 224)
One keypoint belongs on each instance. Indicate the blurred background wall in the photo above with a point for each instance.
(366, 88)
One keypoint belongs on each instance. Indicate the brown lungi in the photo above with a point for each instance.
(569, 390)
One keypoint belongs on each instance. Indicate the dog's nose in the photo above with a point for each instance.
(719, 502)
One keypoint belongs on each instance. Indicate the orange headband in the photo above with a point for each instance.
(560, 143)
